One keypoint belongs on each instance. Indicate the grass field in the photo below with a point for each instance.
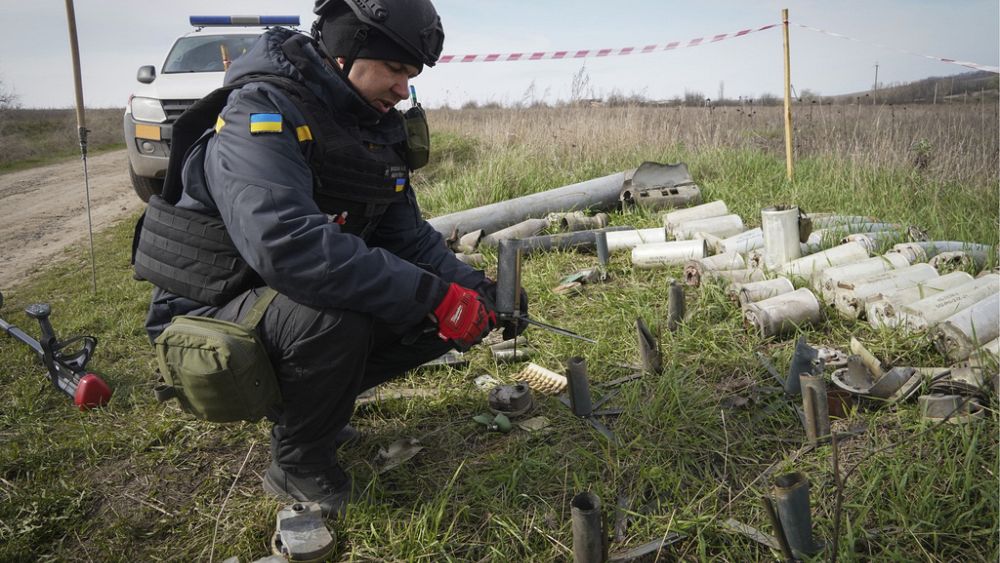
(31, 137)
(141, 482)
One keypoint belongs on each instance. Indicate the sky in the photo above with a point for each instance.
(118, 36)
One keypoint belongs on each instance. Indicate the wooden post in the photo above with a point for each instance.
(81, 127)
(788, 101)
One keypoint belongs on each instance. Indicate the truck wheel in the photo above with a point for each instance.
(144, 187)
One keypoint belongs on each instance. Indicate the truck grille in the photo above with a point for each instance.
(174, 108)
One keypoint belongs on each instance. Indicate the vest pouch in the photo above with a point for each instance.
(218, 371)
(418, 138)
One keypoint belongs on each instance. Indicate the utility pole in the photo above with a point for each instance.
(935, 94)
(875, 86)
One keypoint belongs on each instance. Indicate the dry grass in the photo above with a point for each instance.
(31, 136)
(956, 143)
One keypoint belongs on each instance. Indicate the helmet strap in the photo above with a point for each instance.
(360, 38)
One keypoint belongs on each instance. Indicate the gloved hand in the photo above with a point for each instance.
(511, 329)
(463, 318)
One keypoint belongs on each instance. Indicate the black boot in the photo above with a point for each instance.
(331, 489)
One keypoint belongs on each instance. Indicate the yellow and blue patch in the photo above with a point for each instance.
(400, 184)
(265, 123)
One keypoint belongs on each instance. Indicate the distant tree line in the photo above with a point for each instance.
(949, 89)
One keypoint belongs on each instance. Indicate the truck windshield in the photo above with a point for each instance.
(205, 53)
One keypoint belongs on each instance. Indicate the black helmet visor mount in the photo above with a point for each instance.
(413, 25)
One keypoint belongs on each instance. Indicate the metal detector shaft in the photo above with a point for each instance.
(554, 329)
(24, 338)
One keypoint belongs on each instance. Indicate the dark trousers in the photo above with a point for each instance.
(323, 359)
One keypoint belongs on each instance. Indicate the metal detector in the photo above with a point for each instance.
(66, 365)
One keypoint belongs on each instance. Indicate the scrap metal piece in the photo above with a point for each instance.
(791, 498)
(825, 220)
(596, 194)
(780, 226)
(486, 382)
(533, 424)
(583, 241)
(452, 358)
(524, 229)
(543, 380)
(579, 388)
(873, 364)
(958, 336)
(875, 240)
(650, 357)
(891, 382)
(468, 242)
(805, 361)
(301, 534)
(644, 551)
(577, 279)
(715, 208)
(810, 266)
(850, 298)
(660, 186)
(959, 260)
(662, 198)
(816, 408)
(629, 239)
(511, 400)
(727, 277)
(675, 306)
(827, 282)
(831, 357)
(925, 250)
(886, 309)
(695, 269)
(855, 378)
(475, 260)
(580, 222)
(752, 292)
(779, 531)
(955, 408)
(930, 311)
(590, 543)
(782, 314)
(722, 226)
(752, 533)
(665, 254)
(742, 243)
(603, 255)
(398, 453)
(962, 380)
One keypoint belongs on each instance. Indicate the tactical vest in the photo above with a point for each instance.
(190, 254)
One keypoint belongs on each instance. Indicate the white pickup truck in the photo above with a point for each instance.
(195, 65)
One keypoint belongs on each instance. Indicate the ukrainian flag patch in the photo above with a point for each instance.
(265, 123)
(400, 184)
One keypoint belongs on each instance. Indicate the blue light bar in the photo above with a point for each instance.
(247, 21)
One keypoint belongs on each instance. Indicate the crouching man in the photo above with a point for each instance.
(299, 192)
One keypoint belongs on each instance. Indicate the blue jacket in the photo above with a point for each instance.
(261, 186)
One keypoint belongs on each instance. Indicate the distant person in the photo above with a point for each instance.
(307, 171)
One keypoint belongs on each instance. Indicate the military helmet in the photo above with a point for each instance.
(346, 28)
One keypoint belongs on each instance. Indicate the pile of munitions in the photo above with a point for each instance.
(790, 272)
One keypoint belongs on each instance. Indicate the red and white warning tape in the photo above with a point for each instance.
(587, 53)
(933, 58)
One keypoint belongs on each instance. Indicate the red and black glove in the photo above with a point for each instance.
(463, 318)
(511, 328)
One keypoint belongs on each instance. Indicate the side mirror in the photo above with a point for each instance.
(146, 74)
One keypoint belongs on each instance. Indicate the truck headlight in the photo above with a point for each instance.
(148, 109)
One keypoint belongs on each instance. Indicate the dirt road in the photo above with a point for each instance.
(43, 210)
